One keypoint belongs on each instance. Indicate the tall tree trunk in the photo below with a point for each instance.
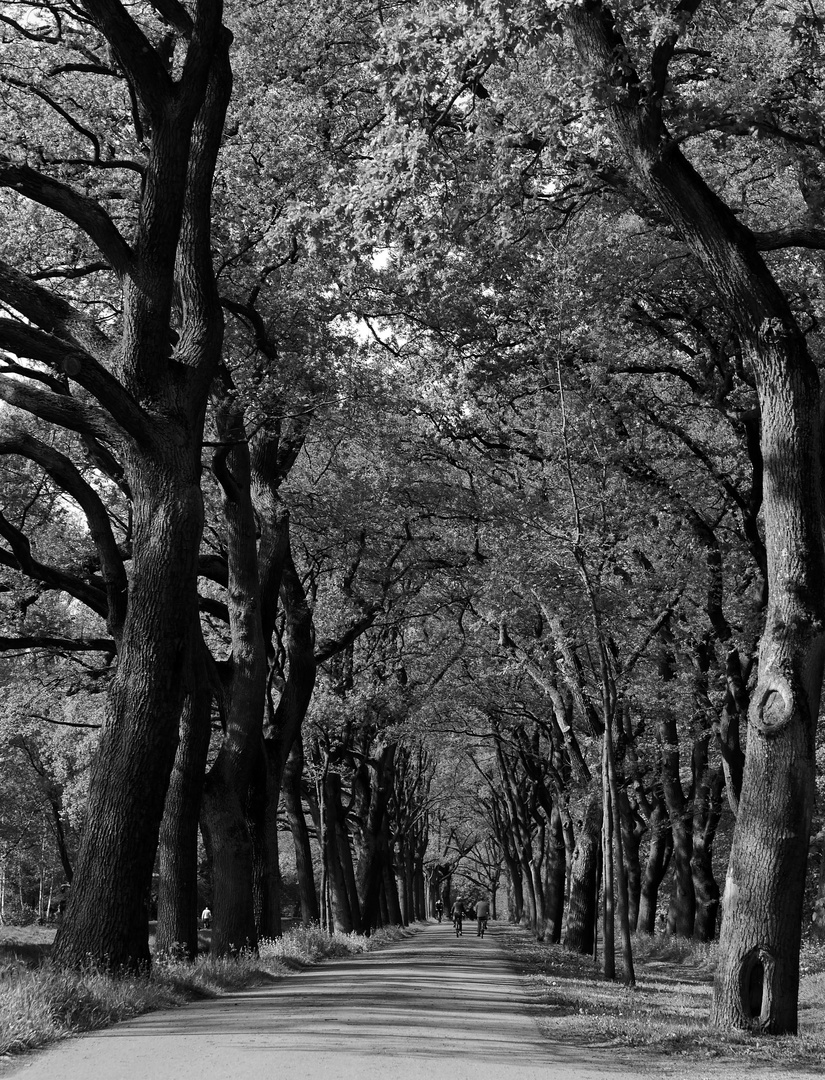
(293, 773)
(516, 891)
(283, 726)
(682, 911)
(632, 832)
(419, 892)
(707, 804)
(608, 884)
(369, 824)
(107, 917)
(178, 851)
(226, 788)
(618, 856)
(529, 893)
(581, 911)
(394, 916)
(658, 860)
(262, 820)
(347, 866)
(160, 402)
(555, 878)
(540, 918)
(344, 916)
(818, 915)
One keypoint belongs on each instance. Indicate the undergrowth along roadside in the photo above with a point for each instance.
(39, 1005)
(665, 1016)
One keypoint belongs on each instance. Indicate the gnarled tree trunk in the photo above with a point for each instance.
(158, 401)
(581, 910)
(658, 859)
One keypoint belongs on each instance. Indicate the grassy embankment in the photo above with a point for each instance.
(662, 1023)
(39, 1004)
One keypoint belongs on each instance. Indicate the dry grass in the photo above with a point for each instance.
(662, 1023)
(39, 1004)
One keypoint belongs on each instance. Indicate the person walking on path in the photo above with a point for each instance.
(482, 915)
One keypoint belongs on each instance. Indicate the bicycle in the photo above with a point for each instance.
(482, 925)
(457, 925)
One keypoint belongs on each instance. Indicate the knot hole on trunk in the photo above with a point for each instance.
(774, 705)
(755, 986)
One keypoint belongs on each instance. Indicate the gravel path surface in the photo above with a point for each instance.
(430, 1005)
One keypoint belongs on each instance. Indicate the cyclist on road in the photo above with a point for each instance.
(458, 914)
(439, 909)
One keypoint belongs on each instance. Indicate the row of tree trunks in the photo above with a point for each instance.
(757, 980)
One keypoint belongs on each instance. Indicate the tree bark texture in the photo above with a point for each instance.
(262, 821)
(283, 728)
(394, 916)
(307, 892)
(555, 875)
(581, 910)
(107, 915)
(376, 788)
(632, 832)
(708, 785)
(227, 786)
(658, 859)
(178, 900)
(345, 918)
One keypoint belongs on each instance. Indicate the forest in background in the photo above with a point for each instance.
(411, 458)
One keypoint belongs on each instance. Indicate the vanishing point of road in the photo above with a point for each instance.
(429, 1005)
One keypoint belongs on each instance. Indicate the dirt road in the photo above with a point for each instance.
(426, 1006)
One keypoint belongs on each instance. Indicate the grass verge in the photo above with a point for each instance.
(662, 1023)
(39, 1005)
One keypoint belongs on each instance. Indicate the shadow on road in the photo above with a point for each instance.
(428, 996)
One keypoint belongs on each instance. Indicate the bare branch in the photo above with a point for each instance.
(45, 641)
(67, 476)
(800, 236)
(28, 342)
(64, 411)
(134, 53)
(86, 213)
(663, 52)
(175, 14)
(20, 558)
(50, 312)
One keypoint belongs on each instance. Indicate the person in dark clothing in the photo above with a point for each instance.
(458, 915)
(482, 915)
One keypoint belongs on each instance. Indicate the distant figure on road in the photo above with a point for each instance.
(206, 918)
(458, 915)
(439, 909)
(482, 915)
